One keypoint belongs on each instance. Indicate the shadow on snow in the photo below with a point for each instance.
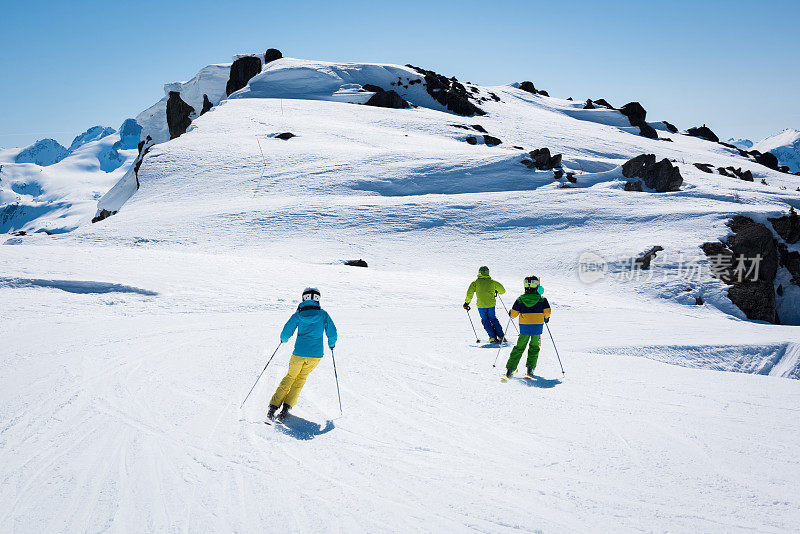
(303, 429)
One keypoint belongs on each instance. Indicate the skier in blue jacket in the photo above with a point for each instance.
(310, 321)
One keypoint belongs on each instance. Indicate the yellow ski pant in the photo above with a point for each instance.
(292, 384)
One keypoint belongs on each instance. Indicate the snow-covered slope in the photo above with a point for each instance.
(785, 146)
(156, 321)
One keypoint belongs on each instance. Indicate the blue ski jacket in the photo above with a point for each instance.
(310, 321)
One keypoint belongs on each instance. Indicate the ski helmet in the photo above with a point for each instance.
(531, 285)
(311, 293)
(483, 270)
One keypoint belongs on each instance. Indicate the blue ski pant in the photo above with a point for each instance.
(490, 322)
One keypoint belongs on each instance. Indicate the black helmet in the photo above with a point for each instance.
(311, 293)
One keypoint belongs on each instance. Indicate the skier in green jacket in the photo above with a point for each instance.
(487, 290)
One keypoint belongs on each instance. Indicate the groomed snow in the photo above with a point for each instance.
(129, 344)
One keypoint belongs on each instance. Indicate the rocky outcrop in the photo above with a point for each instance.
(643, 261)
(272, 54)
(542, 160)
(603, 102)
(242, 70)
(748, 261)
(661, 176)
(285, 135)
(449, 93)
(104, 214)
(634, 185)
(207, 105)
(356, 263)
(705, 167)
(178, 115)
(636, 116)
(703, 132)
(671, 127)
(491, 140)
(767, 159)
(529, 87)
(387, 99)
(788, 226)
(589, 104)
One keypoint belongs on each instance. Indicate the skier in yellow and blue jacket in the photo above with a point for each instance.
(310, 321)
(533, 311)
(486, 289)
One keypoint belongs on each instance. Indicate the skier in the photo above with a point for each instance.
(310, 321)
(487, 289)
(533, 311)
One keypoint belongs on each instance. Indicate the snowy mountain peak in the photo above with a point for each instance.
(744, 144)
(44, 152)
(92, 134)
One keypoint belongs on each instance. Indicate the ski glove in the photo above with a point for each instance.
(466, 306)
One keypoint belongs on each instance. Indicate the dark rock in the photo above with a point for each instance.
(356, 263)
(764, 182)
(661, 176)
(518, 147)
(698, 300)
(449, 93)
(645, 130)
(178, 113)
(750, 241)
(242, 70)
(666, 139)
(728, 145)
(721, 170)
(636, 116)
(497, 98)
(479, 128)
(643, 261)
(671, 127)
(791, 260)
(462, 126)
(528, 86)
(637, 166)
(104, 214)
(589, 104)
(747, 176)
(285, 135)
(784, 169)
(779, 290)
(557, 173)
(603, 102)
(768, 159)
(19, 233)
(788, 226)
(703, 132)
(571, 177)
(756, 300)
(543, 92)
(207, 105)
(633, 185)
(491, 141)
(372, 88)
(569, 98)
(635, 112)
(543, 160)
(705, 167)
(472, 140)
(388, 99)
(272, 54)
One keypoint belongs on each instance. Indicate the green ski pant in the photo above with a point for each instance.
(519, 348)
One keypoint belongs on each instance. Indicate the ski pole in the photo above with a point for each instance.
(477, 339)
(504, 307)
(501, 346)
(336, 376)
(556, 349)
(259, 376)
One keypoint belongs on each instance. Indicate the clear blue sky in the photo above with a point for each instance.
(732, 65)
